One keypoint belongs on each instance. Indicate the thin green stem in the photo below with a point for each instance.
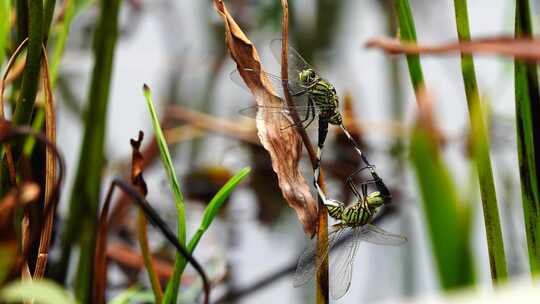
(84, 202)
(30, 80)
(527, 100)
(480, 142)
(407, 33)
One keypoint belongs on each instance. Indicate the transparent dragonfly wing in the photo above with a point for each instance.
(295, 88)
(373, 234)
(307, 266)
(296, 63)
(305, 113)
(341, 265)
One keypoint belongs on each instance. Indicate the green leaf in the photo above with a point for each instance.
(407, 33)
(42, 292)
(84, 201)
(447, 218)
(30, 80)
(171, 293)
(209, 214)
(126, 296)
(527, 102)
(5, 10)
(480, 148)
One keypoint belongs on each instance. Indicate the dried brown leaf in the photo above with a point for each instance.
(526, 49)
(137, 165)
(50, 170)
(282, 142)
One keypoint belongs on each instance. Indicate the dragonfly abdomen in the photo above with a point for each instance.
(334, 209)
(355, 215)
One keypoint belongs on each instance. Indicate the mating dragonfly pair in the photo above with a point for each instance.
(313, 97)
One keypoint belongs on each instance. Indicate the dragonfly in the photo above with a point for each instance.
(313, 96)
(354, 226)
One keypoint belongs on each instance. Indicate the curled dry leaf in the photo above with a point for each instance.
(282, 142)
(137, 165)
(526, 49)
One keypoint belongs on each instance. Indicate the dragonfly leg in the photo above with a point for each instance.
(310, 112)
(353, 188)
(365, 204)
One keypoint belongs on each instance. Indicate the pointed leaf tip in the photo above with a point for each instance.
(146, 89)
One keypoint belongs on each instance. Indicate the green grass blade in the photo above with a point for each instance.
(448, 220)
(71, 10)
(5, 16)
(527, 100)
(407, 33)
(170, 296)
(209, 214)
(30, 80)
(147, 257)
(168, 164)
(480, 147)
(85, 195)
(43, 292)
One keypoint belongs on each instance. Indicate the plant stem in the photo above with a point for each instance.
(25, 103)
(481, 155)
(407, 33)
(527, 99)
(81, 222)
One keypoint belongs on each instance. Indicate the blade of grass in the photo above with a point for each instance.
(407, 33)
(48, 13)
(147, 257)
(448, 220)
(25, 102)
(59, 47)
(527, 100)
(481, 155)
(5, 16)
(86, 190)
(171, 293)
(210, 212)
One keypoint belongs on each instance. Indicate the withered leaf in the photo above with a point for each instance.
(137, 165)
(282, 142)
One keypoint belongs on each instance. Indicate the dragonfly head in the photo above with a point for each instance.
(307, 76)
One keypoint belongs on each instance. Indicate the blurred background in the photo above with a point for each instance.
(178, 49)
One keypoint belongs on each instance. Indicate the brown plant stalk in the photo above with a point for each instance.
(322, 219)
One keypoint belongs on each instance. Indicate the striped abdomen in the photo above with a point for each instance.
(334, 208)
(355, 215)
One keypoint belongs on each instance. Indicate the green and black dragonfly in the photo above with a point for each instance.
(354, 226)
(313, 96)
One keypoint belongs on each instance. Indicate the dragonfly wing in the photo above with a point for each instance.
(307, 264)
(273, 114)
(373, 234)
(295, 89)
(295, 62)
(341, 264)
